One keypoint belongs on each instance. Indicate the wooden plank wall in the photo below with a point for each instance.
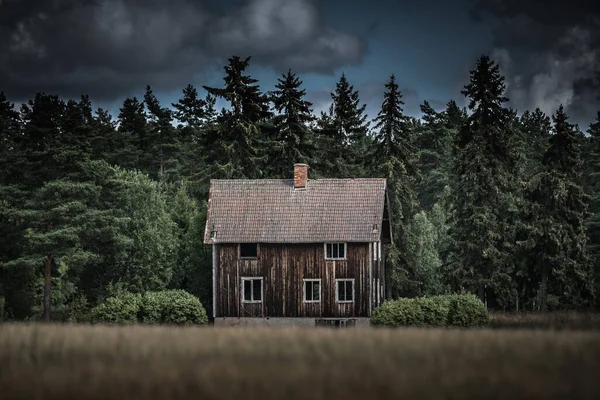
(283, 268)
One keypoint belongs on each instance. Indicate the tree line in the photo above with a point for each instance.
(484, 199)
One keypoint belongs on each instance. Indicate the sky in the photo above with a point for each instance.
(548, 50)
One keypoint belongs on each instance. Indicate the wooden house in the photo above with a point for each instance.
(297, 251)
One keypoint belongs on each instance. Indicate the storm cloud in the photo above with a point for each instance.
(107, 48)
(549, 51)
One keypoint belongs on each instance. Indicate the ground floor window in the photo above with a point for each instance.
(252, 290)
(344, 290)
(312, 290)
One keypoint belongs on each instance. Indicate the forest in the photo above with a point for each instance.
(485, 199)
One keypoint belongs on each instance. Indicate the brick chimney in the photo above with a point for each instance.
(300, 176)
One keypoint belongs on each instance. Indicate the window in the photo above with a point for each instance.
(345, 290)
(252, 290)
(335, 251)
(248, 250)
(312, 290)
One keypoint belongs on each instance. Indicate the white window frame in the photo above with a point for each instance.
(304, 290)
(337, 290)
(262, 291)
(248, 258)
(337, 243)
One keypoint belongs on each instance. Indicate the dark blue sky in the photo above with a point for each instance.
(110, 49)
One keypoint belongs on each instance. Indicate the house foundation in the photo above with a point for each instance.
(293, 322)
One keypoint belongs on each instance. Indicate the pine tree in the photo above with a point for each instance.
(397, 165)
(592, 186)
(294, 139)
(483, 215)
(351, 129)
(433, 142)
(42, 139)
(535, 128)
(455, 117)
(10, 130)
(190, 109)
(557, 212)
(132, 125)
(235, 146)
(161, 158)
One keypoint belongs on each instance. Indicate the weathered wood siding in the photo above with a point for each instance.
(283, 268)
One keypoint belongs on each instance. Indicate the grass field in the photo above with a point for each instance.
(87, 362)
(558, 320)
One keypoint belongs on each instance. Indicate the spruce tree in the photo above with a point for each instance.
(557, 211)
(483, 215)
(454, 116)
(235, 146)
(161, 159)
(351, 129)
(433, 143)
(10, 129)
(397, 165)
(535, 128)
(293, 138)
(190, 109)
(592, 186)
(132, 125)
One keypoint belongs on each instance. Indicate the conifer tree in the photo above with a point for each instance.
(592, 186)
(190, 109)
(535, 127)
(484, 214)
(293, 139)
(235, 147)
(351, 129)
(454, 116)
(433, 143)
(161, 158)
(10, 128)
(397, 165)
(557, 212)
(132, 126)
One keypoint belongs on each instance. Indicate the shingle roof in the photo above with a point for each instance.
(272, 211)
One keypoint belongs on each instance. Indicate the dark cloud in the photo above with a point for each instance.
(549, 50)
(108, 48)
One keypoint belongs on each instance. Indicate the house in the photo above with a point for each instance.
(297, 251)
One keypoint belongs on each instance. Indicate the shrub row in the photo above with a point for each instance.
(463, 310)
(165, 307)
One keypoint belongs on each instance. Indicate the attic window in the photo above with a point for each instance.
(248, 250)
(335, 251)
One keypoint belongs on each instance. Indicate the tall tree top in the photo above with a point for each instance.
(486, 90)
(563, 154)
(594, 130)
(242, 92)
(190, 109)
(288, 99)
(349, 116)
(390, 121)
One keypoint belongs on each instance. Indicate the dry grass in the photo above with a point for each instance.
(86, 362)
(558, 320)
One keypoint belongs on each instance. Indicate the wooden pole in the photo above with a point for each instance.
(47, 280)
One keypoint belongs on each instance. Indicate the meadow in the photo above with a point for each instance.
(39, 361)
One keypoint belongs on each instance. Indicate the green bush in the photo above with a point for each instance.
(436, 311)
(172, 307)
(164, 307)
(123, 308)
(401, 312)
(467, 310)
